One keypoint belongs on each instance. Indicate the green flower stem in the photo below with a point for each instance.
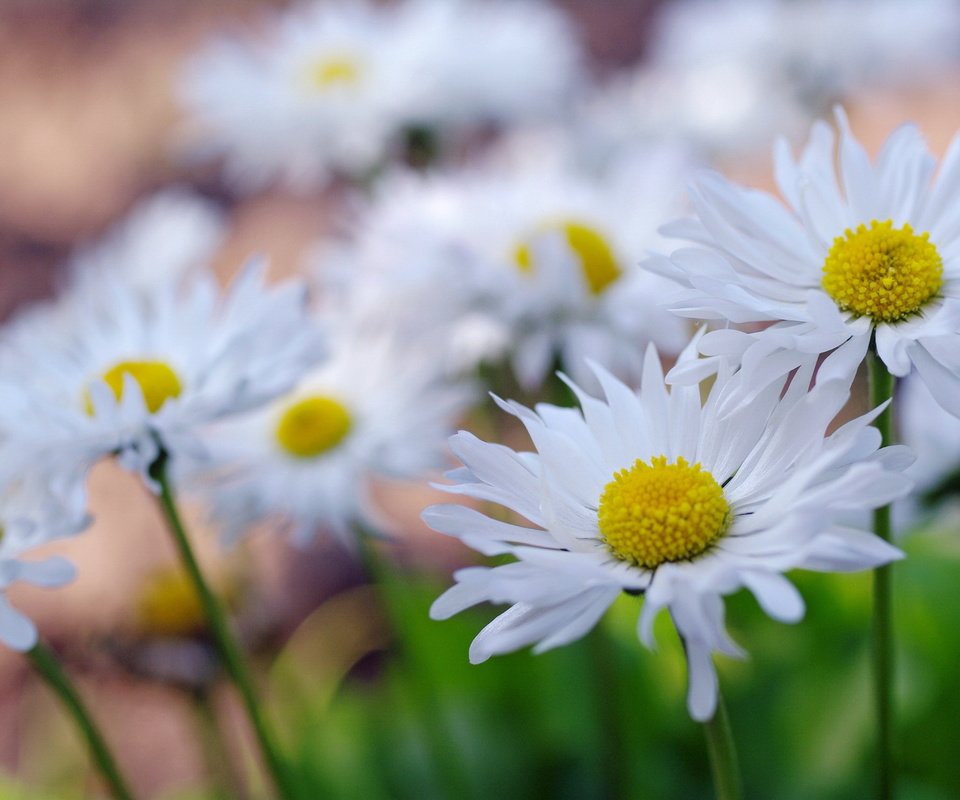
(881, 390)
(49, 668)
(230, 652)
(723, 754)
(227, 784)
(396, 603)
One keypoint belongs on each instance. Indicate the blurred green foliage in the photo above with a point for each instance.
(605, 718)
(375, 700)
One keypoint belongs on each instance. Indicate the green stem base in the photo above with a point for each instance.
(723, 754)
(230, 653)
(881, 390)
(48, 667)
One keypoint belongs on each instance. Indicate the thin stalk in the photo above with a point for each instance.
(607, 701)
(227, 785)
(723, 754)
(48, 667)
(230, 653)
(416, 675)
(881, 390)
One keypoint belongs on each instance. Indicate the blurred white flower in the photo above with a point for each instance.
(494, 61)
(819, 50)
(654, 494)
(934, 437)
(133, 373)
(731, 74)
(525, 254)
(320, 92)
(329, 89)
(375, 407)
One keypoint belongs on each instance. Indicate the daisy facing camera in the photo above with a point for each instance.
(655, 493)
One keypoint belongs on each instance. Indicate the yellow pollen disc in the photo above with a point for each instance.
(169, 605)
(882, 272)
(657, 512)
(599, 265)
(328, 72)
(157, 380)
(312, 426)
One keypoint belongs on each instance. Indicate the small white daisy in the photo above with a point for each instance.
(652, 493)
(729, 75)
(320, 93)
(33, 513)
(818, 51)
(869, 255)
(375, 407)
(494, 61)
(132, 373)
(534, 247)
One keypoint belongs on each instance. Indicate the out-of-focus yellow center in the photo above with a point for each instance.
(657, 512)
(599, 264)
(312, 426)
(157, 380)
(882, 272)
(325, 73)
(170, 606)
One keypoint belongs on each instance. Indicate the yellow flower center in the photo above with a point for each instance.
(599, 264)
(882, 272)
(325, 73)
(657, 512)
(312, 426)
(169, 605)
(157, 381)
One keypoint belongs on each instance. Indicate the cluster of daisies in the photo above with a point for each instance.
(544, 249)
(685, 497)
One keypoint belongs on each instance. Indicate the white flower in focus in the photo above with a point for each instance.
(161, 240)
(320, 93)
(530, 255)
(494, 61)
(376, 407)
(33, 514)
(134, 373)
(652, 493)
(871, 254)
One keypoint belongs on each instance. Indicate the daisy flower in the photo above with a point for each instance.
(320, 92)
(532, 246)
(494, 61)
(653, 493)
(729, 75)
(871, 254)
(817, 51)
(134, 374)
(375, 407)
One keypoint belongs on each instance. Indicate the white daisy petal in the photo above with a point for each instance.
(16, 630)
(776, 595)
(702, 695)
(49, 573)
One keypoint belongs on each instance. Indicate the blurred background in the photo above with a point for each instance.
(374, 700)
